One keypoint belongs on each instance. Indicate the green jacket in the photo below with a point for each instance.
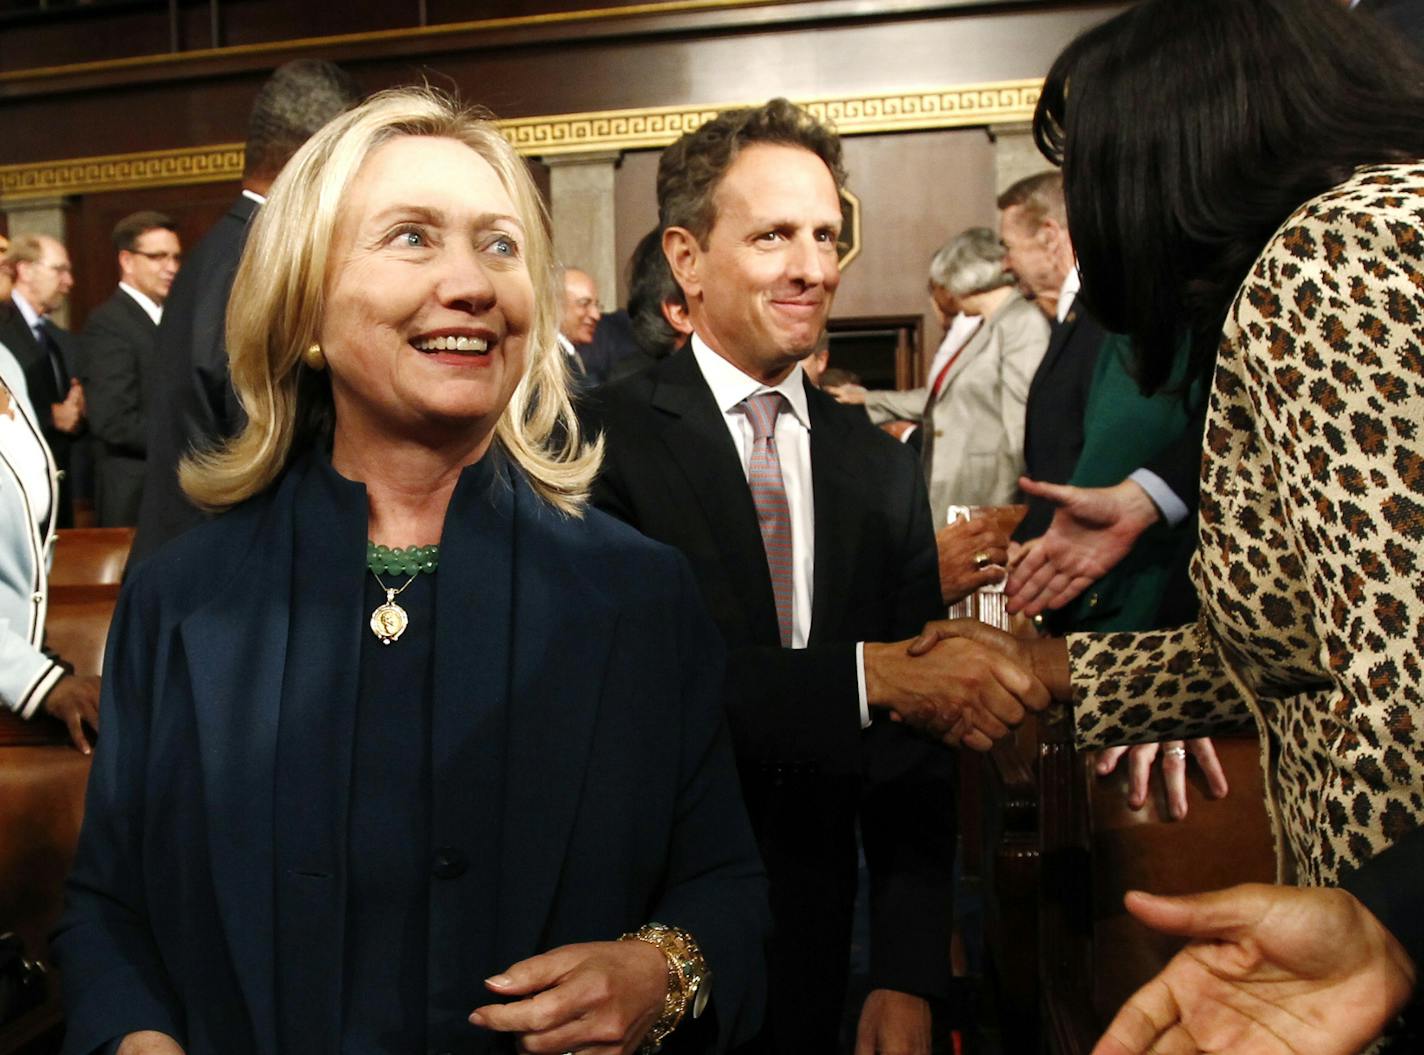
(1123, 430)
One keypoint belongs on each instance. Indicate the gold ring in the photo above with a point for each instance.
(981, 560)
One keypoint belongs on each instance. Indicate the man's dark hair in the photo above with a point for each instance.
(650, 286)
(295, 102)
(1193, 130)
(132, 227)
(690, 170)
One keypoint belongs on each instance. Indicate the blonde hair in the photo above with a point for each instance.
(274, 312)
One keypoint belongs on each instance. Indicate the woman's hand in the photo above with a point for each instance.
(149, 1043)
(595, 998)
(1174, 771)
(972, 555)
(1271, 970)
(74, 700)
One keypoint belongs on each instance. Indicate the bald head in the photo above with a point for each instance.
(581, 311)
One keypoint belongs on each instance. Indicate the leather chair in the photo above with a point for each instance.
(42, 781)
(90, 556)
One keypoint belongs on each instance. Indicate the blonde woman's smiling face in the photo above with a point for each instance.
(429, 303)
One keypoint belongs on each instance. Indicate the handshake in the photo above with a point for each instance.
(964, 682)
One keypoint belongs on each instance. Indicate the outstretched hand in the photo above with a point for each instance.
(1092, 529)
(74, 700)
(1271, 970)
(597, 998)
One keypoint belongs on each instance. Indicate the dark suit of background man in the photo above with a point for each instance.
(196, 408)
(47, 353)
(119, 346)
(810, 535)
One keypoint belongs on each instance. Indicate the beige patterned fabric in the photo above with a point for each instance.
(1311, 564)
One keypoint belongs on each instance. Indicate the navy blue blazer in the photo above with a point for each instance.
(579, 753)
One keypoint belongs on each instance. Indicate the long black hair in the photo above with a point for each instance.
(1189, 130)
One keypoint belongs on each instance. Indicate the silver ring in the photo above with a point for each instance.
(1176, 752)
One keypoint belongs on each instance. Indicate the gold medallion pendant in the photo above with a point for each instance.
(388, 622)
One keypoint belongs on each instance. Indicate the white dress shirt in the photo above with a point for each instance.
(730, 386)
(150, 308)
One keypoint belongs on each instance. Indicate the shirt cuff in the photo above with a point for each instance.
(905, 438)
(1172, 508)
(30, 702)
(860, 684)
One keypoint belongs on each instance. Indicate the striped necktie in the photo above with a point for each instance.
(769, 497)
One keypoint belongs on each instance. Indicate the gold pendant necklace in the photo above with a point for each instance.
(389, 620)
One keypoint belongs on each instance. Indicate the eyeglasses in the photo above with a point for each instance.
(177, 258)
(60, 269)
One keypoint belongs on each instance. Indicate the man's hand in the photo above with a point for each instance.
(893, 1023)
(596, 998)
(1174, 771)
(957, 690)
(149, 1043)
(74, 700)
(1271, 970)
(854, 395)
(69, 415)
(899, 429)
(960, 574)
(1092, 529)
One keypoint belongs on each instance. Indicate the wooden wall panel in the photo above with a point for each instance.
(916, 190)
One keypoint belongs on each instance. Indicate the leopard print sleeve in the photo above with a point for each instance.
(1132, 688)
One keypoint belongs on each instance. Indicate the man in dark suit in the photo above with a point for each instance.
(119, 347)
(196, 408)
(810, 536)
(46, 352)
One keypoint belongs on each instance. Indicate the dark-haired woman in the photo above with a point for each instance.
(1251, 170)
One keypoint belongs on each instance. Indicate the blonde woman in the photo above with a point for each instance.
(397, 748)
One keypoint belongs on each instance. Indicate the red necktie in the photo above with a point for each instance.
(769, 497)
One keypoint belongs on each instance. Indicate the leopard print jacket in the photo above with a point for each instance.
(1311, 560)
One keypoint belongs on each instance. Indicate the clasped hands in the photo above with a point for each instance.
(960, 681)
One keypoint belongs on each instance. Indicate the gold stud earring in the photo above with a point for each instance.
(314, 357)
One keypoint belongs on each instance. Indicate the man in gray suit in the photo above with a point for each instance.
(119, 343)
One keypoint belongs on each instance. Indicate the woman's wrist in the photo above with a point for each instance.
(689, 980)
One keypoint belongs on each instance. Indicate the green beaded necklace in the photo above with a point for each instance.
(412, 560)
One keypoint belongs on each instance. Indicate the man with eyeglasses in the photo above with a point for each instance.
(46, 352)
(119, 343)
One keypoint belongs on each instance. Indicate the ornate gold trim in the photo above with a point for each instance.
(608, 130)
(656, 127)
(94, 175)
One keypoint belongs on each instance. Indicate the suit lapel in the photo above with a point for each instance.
(697, 441)
(551, 714)
(236, 650)
(833, 482)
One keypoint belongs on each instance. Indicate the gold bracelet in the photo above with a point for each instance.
(689, 980)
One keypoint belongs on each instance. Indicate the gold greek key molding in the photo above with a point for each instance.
(93, 175)
(559, 134)
(656, 127)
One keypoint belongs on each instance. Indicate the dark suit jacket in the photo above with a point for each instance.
(45, 390)
(119, 350)
(195, 406)
(1053, 415)
(580, 765)
(671, 470)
